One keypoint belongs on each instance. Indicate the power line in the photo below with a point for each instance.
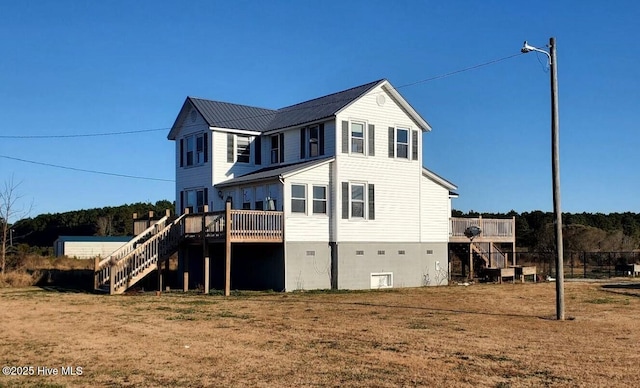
(441, 76)
(80, 134)
(88, 171)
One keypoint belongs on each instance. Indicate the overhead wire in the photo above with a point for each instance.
(85, 170)
(441, 76)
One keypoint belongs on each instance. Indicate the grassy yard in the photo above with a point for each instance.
(481, 335)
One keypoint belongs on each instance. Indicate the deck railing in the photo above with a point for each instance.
(246, 225)
(490, 227)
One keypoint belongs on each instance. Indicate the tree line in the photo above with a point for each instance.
(587, 232)
(44, 229)
(534, 230)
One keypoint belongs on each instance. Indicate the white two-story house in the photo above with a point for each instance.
(359, 209)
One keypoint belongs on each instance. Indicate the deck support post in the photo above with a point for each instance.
(160, 274)
(227, 254)
(185, 269)
(205, 249)
(470, 261)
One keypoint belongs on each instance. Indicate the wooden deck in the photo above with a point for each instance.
(149, 250)
(492, 230)
(245, 226)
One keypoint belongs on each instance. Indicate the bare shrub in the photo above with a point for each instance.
(19, 279)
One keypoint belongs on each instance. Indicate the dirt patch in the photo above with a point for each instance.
(482, 335)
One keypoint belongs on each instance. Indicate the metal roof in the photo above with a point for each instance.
(274, 172)
(233, 116)
(318, 108)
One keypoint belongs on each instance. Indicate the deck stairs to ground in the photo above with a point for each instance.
(139, 257)
(490, 254)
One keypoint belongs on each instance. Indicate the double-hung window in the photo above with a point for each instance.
(319, 200)
(275, 149)
(357, 200)
(243, 149)
(195, 200)
(314, 143)
(402, 143)
(193, 149)
(357, 138)
(298, 198)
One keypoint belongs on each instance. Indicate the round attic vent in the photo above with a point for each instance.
(380, 100)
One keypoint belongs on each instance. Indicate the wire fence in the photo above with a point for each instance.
(587, 265)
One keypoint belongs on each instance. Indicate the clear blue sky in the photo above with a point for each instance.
(82, 67)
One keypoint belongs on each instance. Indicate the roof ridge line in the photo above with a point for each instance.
(332, 94)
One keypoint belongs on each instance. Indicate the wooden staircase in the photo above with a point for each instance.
(491, 254)
(139, 257)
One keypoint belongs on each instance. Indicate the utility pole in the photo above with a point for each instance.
(555, 171)
(555, 156)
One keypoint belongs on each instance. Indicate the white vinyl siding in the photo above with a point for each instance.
(436, 211)
(397, 183)
(310, 227)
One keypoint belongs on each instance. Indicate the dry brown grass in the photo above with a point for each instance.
(482, 335)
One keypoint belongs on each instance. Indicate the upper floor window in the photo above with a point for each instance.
(277, 148)
(193, 150)
(357, 138)
(238, 148)
(243, 150)
(403, 143)
(312, 141)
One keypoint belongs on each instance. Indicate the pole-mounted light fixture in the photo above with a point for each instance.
(555, 167)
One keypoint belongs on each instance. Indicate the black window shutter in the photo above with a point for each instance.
(345, 137)
(345, 200)
(230, 147)
(372, 140)
(281, 145)
(205, 140)
(392, 133)
(321, 139)
(303, 144)
(181, 152)
(257, 144)
(181, 203)
(206, 196)
(372, 201)
(414, 145)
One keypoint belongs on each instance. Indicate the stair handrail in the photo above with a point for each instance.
(118, 252)
(154, 258)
